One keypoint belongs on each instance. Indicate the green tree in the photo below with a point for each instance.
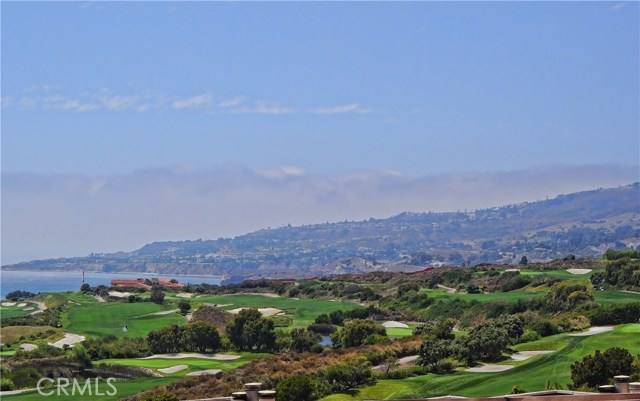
(432, 351)
(355, 333)
(85, 288)
(296, 388)
(250, 331)
(346, 375)
(601, 367)
(184, 306)
(157, 296)
(201, 335)
(524, 260)
(303, 340)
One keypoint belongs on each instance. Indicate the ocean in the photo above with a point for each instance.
(39, 281)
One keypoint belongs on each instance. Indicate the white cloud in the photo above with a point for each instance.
(236, 101)
(194, 102)
(264, 107)
(617, 6)
(118, 103)
(342, 109)
(57, 102)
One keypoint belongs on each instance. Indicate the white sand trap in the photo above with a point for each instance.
(189, 317)
(28, 308)
(173, 369)
(36, 312)
(392, 323)
(119, 294)
(524, 355)
(490, 368)
(579, 271)
(69, 339)
(263, 311)
(22, 305)
(184, 295)
(100, 299)
(512, 270)
(205, 372)
(8, 304)
(162, 313)
(28, 347)
(217, 357)
(592, 331)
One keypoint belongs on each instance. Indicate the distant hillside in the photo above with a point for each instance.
(584, 224)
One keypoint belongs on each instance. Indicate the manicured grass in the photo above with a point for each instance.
(533, 375)
(399, 331)
(615, 297)
(124, 388)
(7, 312)
(303, 311)
(195, 364)
(494, 296)
(101, 319)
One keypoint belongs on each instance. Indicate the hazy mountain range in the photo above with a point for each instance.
(584, 224)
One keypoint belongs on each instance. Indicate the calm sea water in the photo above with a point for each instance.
(37, 281)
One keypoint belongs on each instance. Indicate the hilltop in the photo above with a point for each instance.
(583, 224)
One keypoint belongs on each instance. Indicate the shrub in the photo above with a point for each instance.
(6, 384)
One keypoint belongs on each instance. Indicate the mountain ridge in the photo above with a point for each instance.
(583, 223)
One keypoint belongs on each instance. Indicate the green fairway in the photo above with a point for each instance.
(531, 376)
(124, 388)
(195, 364)
(615, 297)
(7, 312)
(493, 296)
(101, 319)
(399, 331)
(303, 311)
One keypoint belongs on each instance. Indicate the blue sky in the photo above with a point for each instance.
(333, 102)
(328, 87)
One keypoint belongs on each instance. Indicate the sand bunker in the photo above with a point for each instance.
(205, 372)
(490, 368)
(579, 271)
(449, 289)
(40, 304)
(28, 347)
(524, 355)
(263, 311)
(8, 304)
(36, 312)
(512, 270)
(392, 323)
(217, 357)
(592, 331)
(22, 305)
(184, 295)
(162, 313)
(119, 294)
(69, 339)
(173, 369)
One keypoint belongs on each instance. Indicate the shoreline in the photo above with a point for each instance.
(124, 273)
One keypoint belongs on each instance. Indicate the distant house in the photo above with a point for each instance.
(144, 283)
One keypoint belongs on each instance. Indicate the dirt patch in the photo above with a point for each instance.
(213, 372)
(489, 368)
(579, 271)
(524, 355)
(69, 339)
(217, 357)
(392, 323)
(28, 347)
(173, 369)
(592, 331)
(449, 289)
